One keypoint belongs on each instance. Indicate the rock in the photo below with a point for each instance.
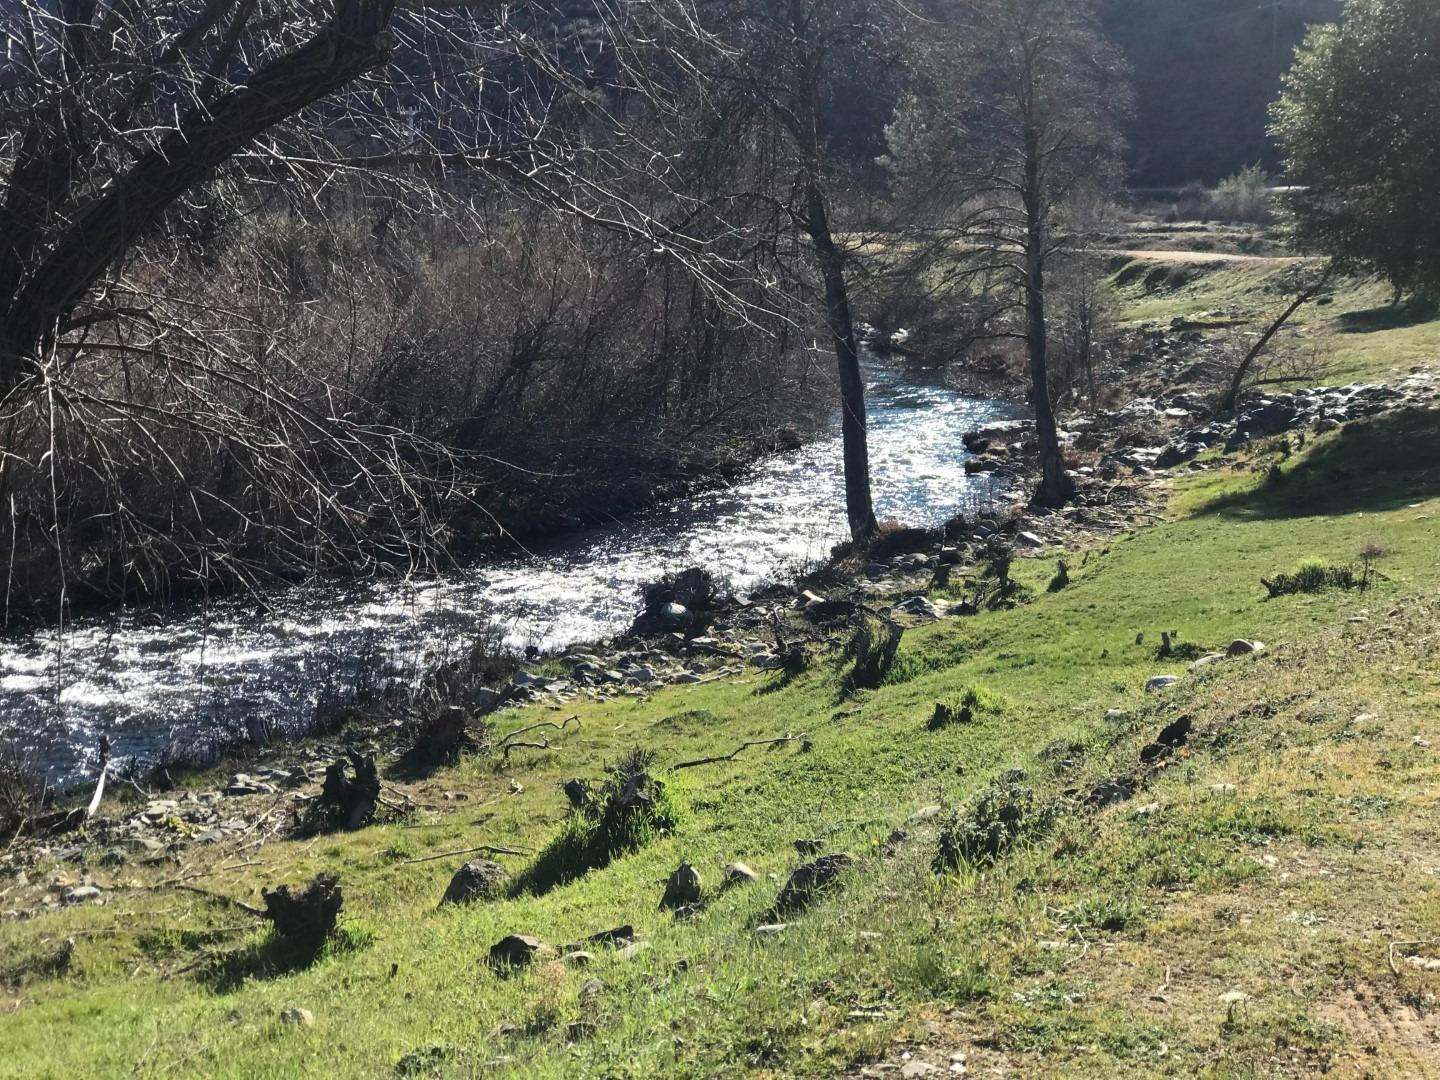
(811, 879)
(737, 873)
(1222, 789)
(682, 887)
(919, 607)
(590, 989)
(81, 894)
(1206, 660)
(297, 1017)
(516, 951)
(579, 958)
(1110, 793)
(1160, 682)
(770, 929)
(632, 949)
(913, 1069)
(673, 616)
(479, 879)
(620, 935)
(925, 813)
(686, 678)
(1176, 733)
(1241, 647)
(1029, 539)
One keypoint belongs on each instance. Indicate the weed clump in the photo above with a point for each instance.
(22, 792)
(1000, 817)
(1314, 575)
(629, 810)
(974, 701)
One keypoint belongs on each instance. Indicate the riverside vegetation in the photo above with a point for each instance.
(1096, 830)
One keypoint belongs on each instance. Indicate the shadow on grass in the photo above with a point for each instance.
(1389, 317)
(1371, 466)
(270, 956)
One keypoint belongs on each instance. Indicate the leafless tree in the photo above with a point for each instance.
(1022, 117)
(781, 75)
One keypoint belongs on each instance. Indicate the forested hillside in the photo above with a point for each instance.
(1205, 72)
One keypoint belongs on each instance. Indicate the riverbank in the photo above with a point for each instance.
(1226, 871)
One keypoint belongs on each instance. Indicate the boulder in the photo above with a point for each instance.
(297, 1017)
(682, 887)
(810, 880)
(479, 879)
(1160, 682)
(1241, 647)
(516, 951)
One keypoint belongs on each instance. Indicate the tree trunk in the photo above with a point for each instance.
(1055, 488)
(858, 507)
(1237, 382)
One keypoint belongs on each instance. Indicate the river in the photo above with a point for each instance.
(147, 676)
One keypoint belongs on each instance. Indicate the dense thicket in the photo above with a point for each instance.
(288, 290)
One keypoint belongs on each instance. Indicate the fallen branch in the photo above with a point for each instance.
(1390, 952)
(489, 849)
(736, 752)
(220, 898)
(560, 727)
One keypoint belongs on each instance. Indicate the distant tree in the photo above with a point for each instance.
(1023, 121)
(1358, 126)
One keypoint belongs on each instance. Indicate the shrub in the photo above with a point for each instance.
(1002, 815)
(630, 810)
(22, 791)
(1242, 198)
(974, 700)
(1313, 575)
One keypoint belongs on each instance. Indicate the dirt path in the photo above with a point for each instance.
(1204, 257)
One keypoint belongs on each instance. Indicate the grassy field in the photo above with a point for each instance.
(1357, 335)
(1234, 918)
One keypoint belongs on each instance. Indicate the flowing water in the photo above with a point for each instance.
(149, 677)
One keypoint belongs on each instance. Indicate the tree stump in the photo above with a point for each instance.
(307, 917)
(350, 799)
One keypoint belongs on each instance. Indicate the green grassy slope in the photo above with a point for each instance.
(1358, 335)
(1100, 947)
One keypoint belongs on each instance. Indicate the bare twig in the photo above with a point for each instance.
(490, 849)
(736, 752)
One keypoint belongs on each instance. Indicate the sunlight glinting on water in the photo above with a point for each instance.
(146, 681)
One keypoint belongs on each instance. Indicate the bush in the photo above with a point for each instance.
(22, 790)
(1313, 575)
(630, 810)
(973, 701)
(1243, 198)
(1002, 815)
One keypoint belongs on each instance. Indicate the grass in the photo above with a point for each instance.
(1276, 854)
(1357, 336)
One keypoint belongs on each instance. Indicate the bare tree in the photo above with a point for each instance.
(783, 70)
(1310, 284)
(1023, 117)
